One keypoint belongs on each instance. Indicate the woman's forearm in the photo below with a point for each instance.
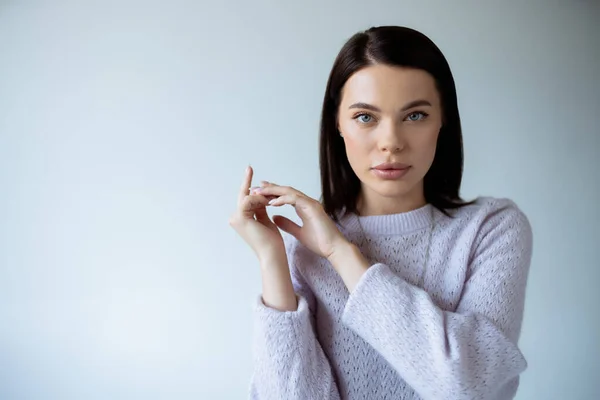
(277, 289)
(349, 263)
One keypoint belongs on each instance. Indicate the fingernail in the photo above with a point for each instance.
(272, 201)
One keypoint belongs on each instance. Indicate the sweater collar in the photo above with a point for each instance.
(390, 223)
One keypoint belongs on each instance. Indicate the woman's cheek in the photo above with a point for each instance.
(357, 153)
(427, 150)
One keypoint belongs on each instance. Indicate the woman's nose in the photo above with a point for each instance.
(392, 140)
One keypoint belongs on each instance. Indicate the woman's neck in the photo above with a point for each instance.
(374, 204)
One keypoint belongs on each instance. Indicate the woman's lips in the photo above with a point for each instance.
(390, 173)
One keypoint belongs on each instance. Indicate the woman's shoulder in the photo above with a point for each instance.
(485, 207)
(494, 217)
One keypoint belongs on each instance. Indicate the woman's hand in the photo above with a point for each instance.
(253, 224)
(318, 232)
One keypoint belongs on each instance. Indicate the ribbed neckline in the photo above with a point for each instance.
(390, 223)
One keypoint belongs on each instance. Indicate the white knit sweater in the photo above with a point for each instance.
(452, 337)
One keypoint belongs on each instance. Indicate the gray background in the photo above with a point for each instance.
(125, 128)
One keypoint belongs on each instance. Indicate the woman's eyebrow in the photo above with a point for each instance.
(414, 103)
(365, 106)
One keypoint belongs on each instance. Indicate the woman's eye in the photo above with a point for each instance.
(416, 116)
(364, 118)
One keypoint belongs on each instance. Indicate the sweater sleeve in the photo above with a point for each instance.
(289, 362)
(471, 353)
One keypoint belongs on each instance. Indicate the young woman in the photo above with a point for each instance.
(394, 287)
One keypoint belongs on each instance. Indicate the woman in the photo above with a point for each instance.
(394, 287)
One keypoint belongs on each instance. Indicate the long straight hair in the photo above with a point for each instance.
(402, 47)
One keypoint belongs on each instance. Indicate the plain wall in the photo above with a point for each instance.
(125, 128)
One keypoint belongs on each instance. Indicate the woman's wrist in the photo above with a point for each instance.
(272, 260)
(349, 263)
(278, 291)
(341, 249)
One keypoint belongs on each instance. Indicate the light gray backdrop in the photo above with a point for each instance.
(125, 128)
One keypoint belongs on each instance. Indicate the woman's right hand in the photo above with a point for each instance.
(253, 224)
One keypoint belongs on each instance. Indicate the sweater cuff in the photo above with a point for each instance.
(272, 322)
(264, 311)
(277, 332)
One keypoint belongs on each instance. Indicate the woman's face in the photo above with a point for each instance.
(390, 115)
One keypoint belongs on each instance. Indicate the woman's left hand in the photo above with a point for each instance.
(318, 232)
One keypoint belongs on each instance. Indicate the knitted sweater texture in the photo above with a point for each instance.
(437, 315)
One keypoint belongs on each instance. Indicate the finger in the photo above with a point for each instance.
(258, 190)
(250, 204)
(261, 215)
(246, 183)
(290, 199)
(276, 190)
(255, 190)
(287, 225)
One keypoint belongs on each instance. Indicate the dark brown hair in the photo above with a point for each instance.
(394, 46)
